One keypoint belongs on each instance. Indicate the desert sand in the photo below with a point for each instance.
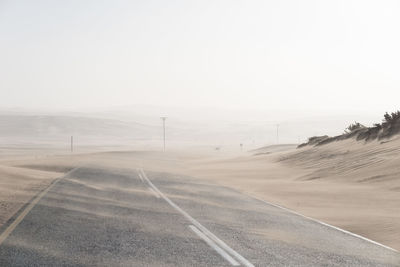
(18, 186)
(349, 184)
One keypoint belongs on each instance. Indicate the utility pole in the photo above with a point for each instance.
(72, 144)
(277, 134)
(163, 119)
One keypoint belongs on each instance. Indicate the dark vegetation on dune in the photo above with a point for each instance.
(390, 126)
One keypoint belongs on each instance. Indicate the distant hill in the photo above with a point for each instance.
(49, 129)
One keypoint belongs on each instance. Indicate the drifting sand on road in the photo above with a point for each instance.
(18, 186)
(349, 184)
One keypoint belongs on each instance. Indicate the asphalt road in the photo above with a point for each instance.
(104, 217)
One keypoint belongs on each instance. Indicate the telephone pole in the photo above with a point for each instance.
(163, 119)
(72, 144)
(277, 134)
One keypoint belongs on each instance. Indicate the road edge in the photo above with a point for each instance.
(319, 222)
(14, 221)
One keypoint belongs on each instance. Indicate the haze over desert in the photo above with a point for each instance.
(199, 133)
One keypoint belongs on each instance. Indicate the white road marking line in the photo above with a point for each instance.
(211, 243)
(326, 224)
(220, 243)
(141, 178)
(14, 224)
(154, 192)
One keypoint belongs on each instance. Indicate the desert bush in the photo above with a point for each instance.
(378, 126)
(389, 127)
(389, 119)
(313, 140)
(354, 127)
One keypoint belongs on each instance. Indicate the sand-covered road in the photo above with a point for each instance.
(102, 216)
(347, 184)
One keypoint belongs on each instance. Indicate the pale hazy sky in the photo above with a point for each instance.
(241, 54)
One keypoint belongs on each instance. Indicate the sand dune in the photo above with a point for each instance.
(348, 184)
(56, 129)
(374, 163)
(273, 149)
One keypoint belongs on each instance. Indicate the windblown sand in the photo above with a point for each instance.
(18, 186)
(348, 184)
